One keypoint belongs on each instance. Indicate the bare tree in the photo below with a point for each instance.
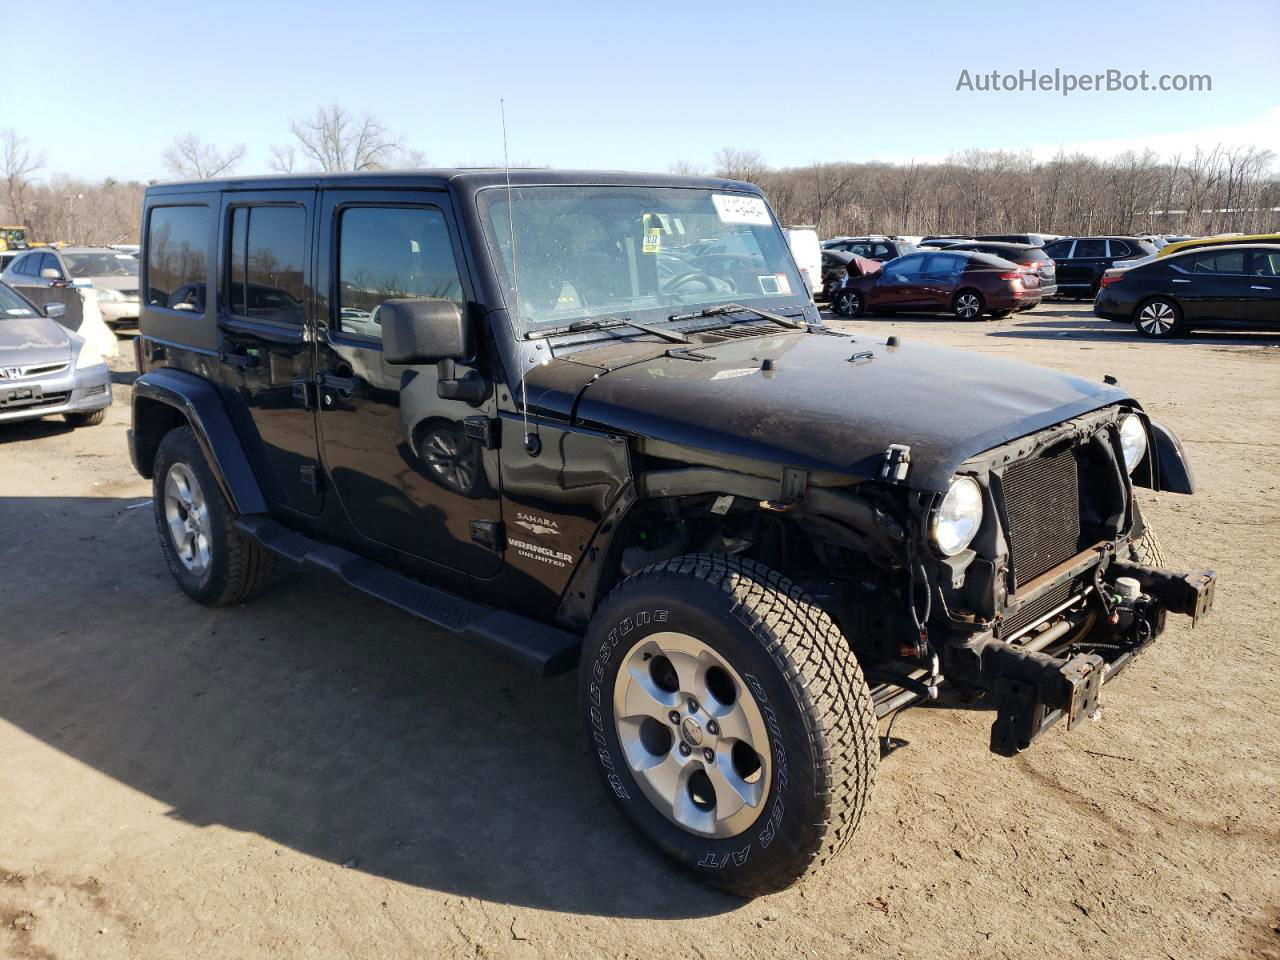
(332, 139)
(735, 164)
(191, 158)
(20, 166)
(685, 168)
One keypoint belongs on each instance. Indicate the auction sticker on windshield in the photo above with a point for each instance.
(736, 209)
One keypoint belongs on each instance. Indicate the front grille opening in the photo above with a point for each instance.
(1036, 609)
(1042, 501)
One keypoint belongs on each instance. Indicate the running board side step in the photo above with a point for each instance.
(547, 651)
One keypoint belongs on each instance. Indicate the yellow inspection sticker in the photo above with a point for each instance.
(652, 234)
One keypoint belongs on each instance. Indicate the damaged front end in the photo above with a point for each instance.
(1049, 602)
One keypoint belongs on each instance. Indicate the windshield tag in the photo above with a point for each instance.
(736, 209)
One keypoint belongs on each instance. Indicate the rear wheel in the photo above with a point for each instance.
(1158, 319)
(967, 305)
(847, 303)
(729, 720)
(212, 561)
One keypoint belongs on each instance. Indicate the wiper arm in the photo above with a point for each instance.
(607, 323)
(723, 308)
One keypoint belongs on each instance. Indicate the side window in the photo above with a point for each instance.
(1208, 262)
(1119, 249)
(266, 263)
(1264, 263)
(1090, 249)
(26, 266)
(944, 264)
(1061, 250)
(177, 257)
(907, 266)
(390, 252)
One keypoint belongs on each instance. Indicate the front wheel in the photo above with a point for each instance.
(729, 720)
(848, 303)
(86, 419)
(1158, 319)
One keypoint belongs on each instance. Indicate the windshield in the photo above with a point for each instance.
(12, 305)
(101, 264)
(636, 252)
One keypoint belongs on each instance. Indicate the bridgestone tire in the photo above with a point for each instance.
(238, 569)
(1147, 548)
(799, 672)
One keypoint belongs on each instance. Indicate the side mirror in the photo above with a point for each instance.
(55, 310)
(424, 331)
(50, 273)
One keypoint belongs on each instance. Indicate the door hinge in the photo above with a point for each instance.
(310, 476)
(489, 534)
(482, 430)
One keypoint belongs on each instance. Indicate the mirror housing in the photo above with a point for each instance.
(55, 310)
(423, 330)
(49, 273)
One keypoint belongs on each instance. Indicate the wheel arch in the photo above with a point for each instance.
(164, 400)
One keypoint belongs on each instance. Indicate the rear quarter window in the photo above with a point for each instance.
(177, 257)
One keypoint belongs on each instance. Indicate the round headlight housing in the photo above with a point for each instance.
(956, 520)
(1133, 441)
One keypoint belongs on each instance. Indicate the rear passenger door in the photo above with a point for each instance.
(1262, 309)
(265, 353)
(1218, 289)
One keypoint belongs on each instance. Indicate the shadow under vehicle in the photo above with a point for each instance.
(755, 536)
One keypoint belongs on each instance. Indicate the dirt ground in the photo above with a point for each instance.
(317, 775)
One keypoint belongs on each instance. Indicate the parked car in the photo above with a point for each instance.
(1081, 261)
(113, 274)
(939, 243)
(835, 263)
(755, 539)
(1194, 243)
(966, 283)
(1025, 255)
(45, 369)
(1229, 286)
(1031, 239)
(6, 258)
(808, 255)
(873, 247)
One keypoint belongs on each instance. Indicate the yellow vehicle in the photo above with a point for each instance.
(13, 238)
(1171, 248)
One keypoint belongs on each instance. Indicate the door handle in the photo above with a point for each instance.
(343, 387)
(241, 360)
(1259, 288)
(1182, 281)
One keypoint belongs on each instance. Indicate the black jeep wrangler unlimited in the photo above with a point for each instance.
(595, 419)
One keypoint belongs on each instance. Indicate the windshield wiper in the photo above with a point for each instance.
(723, 308)
(607, 323)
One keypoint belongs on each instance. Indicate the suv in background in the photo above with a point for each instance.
(113, 274)
(1081, 261)
(1031, 239)
(872, 248)
(637, 449)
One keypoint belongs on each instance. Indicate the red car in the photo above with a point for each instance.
(965, 283)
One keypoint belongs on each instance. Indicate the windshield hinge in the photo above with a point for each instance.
(897, 463)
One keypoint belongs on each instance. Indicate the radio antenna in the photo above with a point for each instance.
(530, 444)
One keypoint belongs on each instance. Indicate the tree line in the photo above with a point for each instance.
(1207, 190)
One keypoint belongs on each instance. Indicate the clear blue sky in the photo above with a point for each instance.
(633, 86)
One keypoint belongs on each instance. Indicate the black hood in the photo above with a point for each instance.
(818, 409)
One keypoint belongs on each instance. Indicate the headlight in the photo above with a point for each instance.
(1133, 440)
(956, 520)
(108, 295)
(88, 357)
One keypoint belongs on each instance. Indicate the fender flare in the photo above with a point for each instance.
(1174, 470)
(198, 402)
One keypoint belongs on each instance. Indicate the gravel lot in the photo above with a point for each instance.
(320, 776)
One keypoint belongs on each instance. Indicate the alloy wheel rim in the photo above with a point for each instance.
(692, 735)
(1156, 318)
(187, 515)
(967, 305)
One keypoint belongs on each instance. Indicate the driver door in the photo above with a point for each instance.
(899, 284)
(405, 463)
